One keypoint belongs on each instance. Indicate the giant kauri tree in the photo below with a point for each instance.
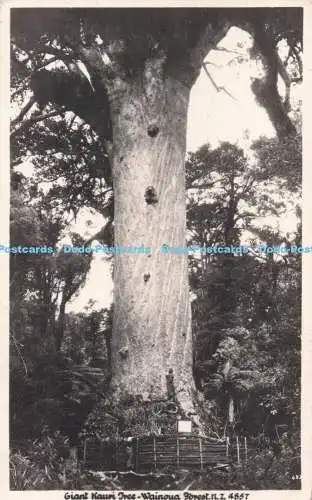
(128, 74)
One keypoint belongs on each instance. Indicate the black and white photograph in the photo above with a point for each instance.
(155, 250)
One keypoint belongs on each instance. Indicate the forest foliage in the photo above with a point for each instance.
(246, 308)
(246, 320)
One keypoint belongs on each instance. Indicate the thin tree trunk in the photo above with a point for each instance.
(231, 411)
(231, 405)
(59, 333)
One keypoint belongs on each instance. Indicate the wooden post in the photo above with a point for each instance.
(114, 453)
(137, 454)
(227, 446)
(201, 453)
(237, 448)
(178, 452)
(85, 451)
(246, 451)
(155, 457)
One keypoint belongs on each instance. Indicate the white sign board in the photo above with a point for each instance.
(184, 426)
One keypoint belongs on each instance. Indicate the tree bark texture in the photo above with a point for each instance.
(152, 319)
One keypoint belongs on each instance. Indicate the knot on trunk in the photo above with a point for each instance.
(152, 130)
(124, 352)
(150, 195)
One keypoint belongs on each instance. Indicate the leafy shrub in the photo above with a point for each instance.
(131, 416)
(43, 464)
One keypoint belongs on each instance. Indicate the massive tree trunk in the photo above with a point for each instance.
(148, 98)
(152, 332)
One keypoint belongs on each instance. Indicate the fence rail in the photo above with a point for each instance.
(153, 452)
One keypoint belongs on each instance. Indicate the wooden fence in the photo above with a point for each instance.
(156, 452)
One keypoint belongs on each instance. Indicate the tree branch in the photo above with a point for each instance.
(105, 234)
(287, 82)
(223, 49)
(60, 54)
(23, 112)
(265, 89)
(218, 89)
(20, 354)
(33, 120)
(297, 55)
(208, 40)
(203, 186)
